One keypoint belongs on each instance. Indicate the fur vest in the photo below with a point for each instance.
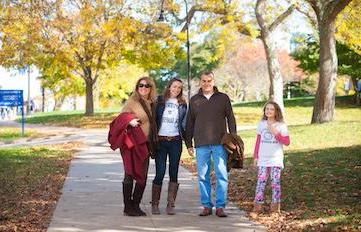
(132, 105)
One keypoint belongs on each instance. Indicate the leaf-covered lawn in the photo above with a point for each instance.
(320, 189)
(31, 180)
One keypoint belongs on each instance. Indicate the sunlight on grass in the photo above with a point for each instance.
(298, 112)
(10, 134)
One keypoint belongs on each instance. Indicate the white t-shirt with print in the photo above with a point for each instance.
(169, 124)
(270, 153)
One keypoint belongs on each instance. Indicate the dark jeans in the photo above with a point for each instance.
(174, 150)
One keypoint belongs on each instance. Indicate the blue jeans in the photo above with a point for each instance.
(174, 150)
(219, 156)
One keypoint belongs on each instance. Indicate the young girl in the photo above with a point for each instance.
(272, 134)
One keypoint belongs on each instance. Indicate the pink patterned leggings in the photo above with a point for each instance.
(263, 174)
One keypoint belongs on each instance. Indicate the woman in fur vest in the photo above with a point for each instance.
(141, 105)
(171, 109)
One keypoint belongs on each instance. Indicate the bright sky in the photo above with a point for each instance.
(16, 80)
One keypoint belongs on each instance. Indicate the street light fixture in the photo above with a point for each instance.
(161, 19)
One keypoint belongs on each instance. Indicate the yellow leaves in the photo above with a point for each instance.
(348, 26)
(108, 28)
(182, 36)
(116, 83)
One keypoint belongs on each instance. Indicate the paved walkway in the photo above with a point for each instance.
(92, 195)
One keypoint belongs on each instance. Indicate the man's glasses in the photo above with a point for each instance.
(144, 85)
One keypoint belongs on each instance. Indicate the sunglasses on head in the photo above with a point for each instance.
(144, 85)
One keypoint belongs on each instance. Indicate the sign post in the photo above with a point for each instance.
(12, 98)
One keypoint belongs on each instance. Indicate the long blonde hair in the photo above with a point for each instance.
(153, 91)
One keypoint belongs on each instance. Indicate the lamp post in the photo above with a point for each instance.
(161, 19)
(28, 105)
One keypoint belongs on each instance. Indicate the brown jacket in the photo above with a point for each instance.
(207, 120)
(234, 146)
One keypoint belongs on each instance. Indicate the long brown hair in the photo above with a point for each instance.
(166, 94)
(278, 111)
(153, 91)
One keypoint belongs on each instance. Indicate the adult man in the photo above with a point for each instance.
(209, 112)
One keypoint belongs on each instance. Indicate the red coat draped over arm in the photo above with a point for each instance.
(132, 143)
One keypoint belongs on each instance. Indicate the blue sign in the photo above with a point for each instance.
(11, 97)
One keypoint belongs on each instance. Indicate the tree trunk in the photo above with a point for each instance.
(96, 95)
(276, 81)
(324, 105)
(74, 102)
(89, 84)
(89, 103)
(58, 102)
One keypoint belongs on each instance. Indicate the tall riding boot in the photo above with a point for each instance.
(127, 198)
(156, 190)
(172, 194)
(137, 198)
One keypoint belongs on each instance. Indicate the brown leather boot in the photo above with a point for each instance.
(276, 208)
(172, 194)
(156, 190)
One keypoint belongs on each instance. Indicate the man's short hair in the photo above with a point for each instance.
(207, 73)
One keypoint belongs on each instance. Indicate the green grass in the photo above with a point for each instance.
(73, 119)
(298, 112)
(8, 135)
(315, 136)
(30, 180)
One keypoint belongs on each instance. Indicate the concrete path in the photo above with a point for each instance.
(92, 195)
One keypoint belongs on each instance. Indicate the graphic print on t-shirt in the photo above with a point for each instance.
(267, 136)
(170, 114)
(169, 126)
(270, 152)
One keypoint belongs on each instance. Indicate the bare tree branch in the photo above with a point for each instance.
(282, 17)
(336, 7)
(190, 14)
(309, 14)
(261, 21)
(100, 57)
